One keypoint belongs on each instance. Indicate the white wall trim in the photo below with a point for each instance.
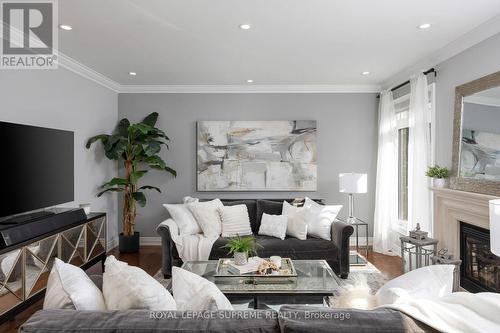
(464, 42)
(286, 88)
(112, 243)
(482, 100)
(87, 72)
(362, 242)
(151, 241)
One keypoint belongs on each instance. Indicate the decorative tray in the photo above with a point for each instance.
(286, 274)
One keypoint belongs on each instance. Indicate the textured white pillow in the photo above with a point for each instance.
(207, 215)
(319, 218)
(273, 225)
(183, 218)
(428, 282)
(195, 293)
(297, 225)
(69, 287)
(129, 287)
(235, 221)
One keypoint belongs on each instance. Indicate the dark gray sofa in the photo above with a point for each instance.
(335, 252)
(290, 319)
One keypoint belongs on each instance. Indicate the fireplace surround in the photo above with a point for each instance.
(451, 209)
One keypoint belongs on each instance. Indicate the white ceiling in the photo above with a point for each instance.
(292, 42)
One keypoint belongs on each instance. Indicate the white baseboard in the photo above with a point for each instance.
(151, 241)
(112, 243)
(156, 241)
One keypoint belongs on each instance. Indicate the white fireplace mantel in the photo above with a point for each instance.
(452, 207)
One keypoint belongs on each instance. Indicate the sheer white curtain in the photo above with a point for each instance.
(419, 196)
(386, 194)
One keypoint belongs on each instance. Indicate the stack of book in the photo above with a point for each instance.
(252, 266)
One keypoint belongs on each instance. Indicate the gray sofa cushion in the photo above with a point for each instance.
(290, 247)
(70, 321)
(295, 318)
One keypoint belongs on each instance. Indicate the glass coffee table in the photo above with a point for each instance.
(315, 282)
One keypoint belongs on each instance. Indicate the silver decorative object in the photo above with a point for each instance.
(418, 234)
(240, 258)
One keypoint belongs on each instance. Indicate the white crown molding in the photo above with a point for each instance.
(285, 88)
(466, 41)
(87, 72)
(482, 100)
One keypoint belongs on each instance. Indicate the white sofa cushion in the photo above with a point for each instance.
(207, 215)
(128, 287)
(429, 282)
(273, 225)
(184, 218)
(297, 225)
(69, 287)
(235, 221)
(195, 293)
(320, 218)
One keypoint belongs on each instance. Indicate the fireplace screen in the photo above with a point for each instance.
(480, 269)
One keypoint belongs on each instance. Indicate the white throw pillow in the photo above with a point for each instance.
(273, 225)
(297, 225)
(319, 218)
(235, 221)
(128, 287)
(207, 215)
(183, 218)
(195, 293)
(69, 287)
(428, 282)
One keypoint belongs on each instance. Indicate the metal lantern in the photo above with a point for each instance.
(417, 253)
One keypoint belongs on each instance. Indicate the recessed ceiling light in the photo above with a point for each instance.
(250, 81)
(245, 26)
(66, 27)
(424, 26)
(366, 73)
(132, 73)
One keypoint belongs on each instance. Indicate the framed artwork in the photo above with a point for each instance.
(256, 155)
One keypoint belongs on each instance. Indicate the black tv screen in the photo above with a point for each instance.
(37, 167)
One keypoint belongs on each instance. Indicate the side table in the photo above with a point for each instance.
(356, 259)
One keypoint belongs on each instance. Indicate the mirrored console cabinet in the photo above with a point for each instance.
(25, 268)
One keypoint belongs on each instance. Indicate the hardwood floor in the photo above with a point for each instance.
(149, 259)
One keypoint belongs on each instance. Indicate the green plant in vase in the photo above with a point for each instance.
(439, 174)
(241, 248)
(137, 146)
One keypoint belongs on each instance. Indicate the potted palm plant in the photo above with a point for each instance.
(439, 174)
(137, 146)
(241, 248)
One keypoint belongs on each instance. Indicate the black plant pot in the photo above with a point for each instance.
(129, 244)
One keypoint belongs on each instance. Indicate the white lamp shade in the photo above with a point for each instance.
(353, 182)
(495, 226)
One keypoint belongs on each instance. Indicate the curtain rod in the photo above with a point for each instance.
(427, 72)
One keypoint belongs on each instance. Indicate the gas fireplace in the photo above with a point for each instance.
(480, 269)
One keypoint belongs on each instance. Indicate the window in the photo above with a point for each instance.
(402, 105)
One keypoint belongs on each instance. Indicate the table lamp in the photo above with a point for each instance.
(495, 226)
(352, 183)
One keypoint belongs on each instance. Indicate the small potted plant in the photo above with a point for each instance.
(439, 175)
(241, 248)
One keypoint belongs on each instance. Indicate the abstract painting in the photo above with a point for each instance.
(256, 155)
(480, 155)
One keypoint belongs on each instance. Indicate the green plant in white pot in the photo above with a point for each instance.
(241, 248)
(439, 174)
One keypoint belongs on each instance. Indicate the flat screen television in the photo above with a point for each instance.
(37, 168)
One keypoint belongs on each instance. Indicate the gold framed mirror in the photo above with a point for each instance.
(476, 136)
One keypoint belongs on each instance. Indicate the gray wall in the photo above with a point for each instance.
(63, 100)
(479, 117)
(347, 141)
(475, 62)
